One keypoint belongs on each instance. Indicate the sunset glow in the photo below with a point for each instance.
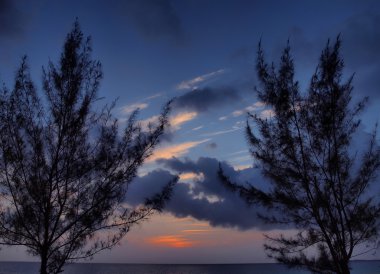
(175, 241)
(190, 176)
(191, 68)
(177, 150)
(182, 118)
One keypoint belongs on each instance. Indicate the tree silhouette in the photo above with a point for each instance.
(318, 185)
(65, 167)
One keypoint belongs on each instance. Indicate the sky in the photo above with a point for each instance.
(203, 54)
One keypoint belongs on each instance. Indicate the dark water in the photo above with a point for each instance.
(359, 267)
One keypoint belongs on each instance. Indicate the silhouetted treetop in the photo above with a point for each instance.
(64, 166)
(318, 183)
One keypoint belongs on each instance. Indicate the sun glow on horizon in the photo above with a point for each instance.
(174, 241)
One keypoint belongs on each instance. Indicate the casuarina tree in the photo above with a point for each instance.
(319, 183)
(65, 166)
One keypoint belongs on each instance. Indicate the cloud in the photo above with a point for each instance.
(190, 176)
(151, 121)
(177, 150)
(154, 96)
(237, 113)
(191, 84)
(183, 166)
(175, 121)
(12, 19)
(256, 106)
(360, 35)
(181, 118)
(212, 145)
(267, 113)
(132, 107)
(197, 128)
(244, 151)
(241, 167)
(146, 186)
(202, 195)
(155, 19)
(361, 43)
(211, 134)
(201, 100)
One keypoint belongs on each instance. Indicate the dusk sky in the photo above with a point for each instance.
(203, 53)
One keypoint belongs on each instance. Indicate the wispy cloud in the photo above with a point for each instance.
(268, 113)
(132, 107)
(153, 120)
(245, 151)
(197, 128)
(241, 159)
(221, 132)
(256, 106)
(127, 109)
(181, 118)
(175, 121)
(176, 150)
(192, 83)
(238, 113)
(154, 96)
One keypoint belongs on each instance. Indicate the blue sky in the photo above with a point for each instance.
(202, 53)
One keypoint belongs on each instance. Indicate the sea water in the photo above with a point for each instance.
(358, 267)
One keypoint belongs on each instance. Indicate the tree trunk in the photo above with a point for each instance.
(43, 266)
(344, 267)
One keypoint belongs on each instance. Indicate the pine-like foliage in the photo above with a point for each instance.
(65, 167)
(318, 184)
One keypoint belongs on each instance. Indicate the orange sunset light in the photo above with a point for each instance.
(174, 241)
(197, 230)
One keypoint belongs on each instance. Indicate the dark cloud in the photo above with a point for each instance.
(12, 19)
(155, 18)
(304, 49)
(360, 36)
(202, 99)
(212, 145)
(180, 166)
(361, 44)
(147, 186)
(205, 198)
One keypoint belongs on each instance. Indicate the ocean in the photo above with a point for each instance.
(358, 267)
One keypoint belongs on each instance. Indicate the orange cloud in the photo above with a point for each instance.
(177, 150)
(182, 118)
(241, 167)
(190, 176)
(174, 241)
